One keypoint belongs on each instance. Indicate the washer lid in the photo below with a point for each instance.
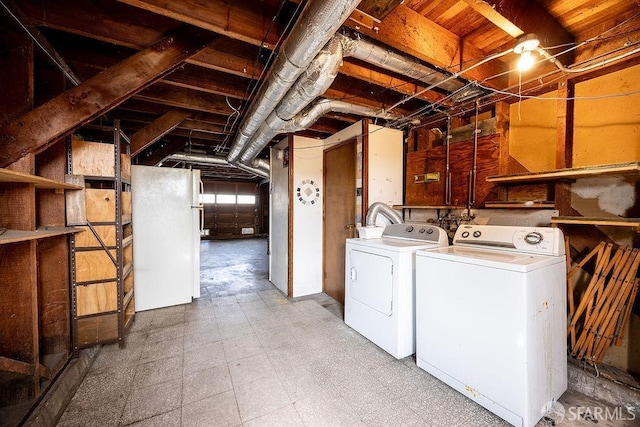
(493, 258)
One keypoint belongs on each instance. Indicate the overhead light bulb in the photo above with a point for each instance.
(526, 61)
(527, 43)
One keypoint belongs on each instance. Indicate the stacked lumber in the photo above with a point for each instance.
(603, 312)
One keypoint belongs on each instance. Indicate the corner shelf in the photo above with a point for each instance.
(615, 222)
(568, 173)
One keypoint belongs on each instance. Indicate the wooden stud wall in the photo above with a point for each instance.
(53, 293)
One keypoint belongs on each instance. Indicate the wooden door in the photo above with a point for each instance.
(339, 214)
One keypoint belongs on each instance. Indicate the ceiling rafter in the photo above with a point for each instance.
(37, 129)
(410, 32)
(155, 130)
(249, 22)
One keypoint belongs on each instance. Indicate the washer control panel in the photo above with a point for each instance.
(419, 231)
(535, 240)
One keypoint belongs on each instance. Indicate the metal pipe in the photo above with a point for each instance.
(473, 174)
(258, 168)
(379, 56)
(380, 208)
(447, 181)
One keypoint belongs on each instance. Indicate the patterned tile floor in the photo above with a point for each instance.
(243, 354)
(260, 359)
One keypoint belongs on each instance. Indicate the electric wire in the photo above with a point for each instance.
(252, 87)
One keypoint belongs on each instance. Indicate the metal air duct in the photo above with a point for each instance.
(260, 168)
(372, 53)
(380, 208)
(316, 25)
(315, 80)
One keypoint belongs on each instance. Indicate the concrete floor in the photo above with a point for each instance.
(246, 355)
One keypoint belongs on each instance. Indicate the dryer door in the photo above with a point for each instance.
(371, 280)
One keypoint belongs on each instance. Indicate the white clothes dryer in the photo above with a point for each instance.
(380, 284)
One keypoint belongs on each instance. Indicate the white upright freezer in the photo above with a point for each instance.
(166, 225)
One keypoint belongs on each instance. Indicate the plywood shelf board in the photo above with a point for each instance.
(428, 207)
(569, 173)
(520, 205)
(39, 182)
(14, 236)
(616, 222)
(127, 241)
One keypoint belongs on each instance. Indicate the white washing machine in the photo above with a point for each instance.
(492, 318)
(379, 299)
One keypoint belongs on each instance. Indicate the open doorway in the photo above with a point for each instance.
(231, 267)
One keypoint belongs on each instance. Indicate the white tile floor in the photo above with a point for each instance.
(259, 359)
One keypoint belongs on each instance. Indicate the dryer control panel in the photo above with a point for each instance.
(534, 240)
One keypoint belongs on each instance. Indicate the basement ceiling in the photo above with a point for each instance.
(200, 105)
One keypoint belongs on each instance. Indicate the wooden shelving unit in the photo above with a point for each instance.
(569, 173)
(102, 255)
(34, 298)
(615, 222)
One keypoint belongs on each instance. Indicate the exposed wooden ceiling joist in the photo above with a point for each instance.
(518, 17)
(40, 127)
(409, 32)
(247, 21)
(164, 124)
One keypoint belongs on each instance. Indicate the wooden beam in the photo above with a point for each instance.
(37, 129)
(518, 17)
(120, 24)
(217, 83)
(159, 151)
(156, 130)
(410, 32)
(185, 98)
(250, 22)
(378, 8)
